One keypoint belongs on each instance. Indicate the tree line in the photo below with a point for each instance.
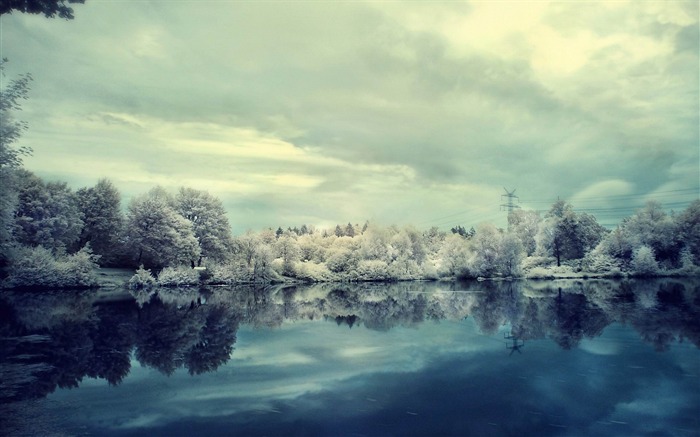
(53, 236)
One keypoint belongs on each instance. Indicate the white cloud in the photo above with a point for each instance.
(388, 111)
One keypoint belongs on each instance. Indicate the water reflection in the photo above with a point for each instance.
(52, 340)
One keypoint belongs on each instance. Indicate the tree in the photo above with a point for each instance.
(644, 263)
(453, 256)
(102, 217)
(157, 236)
(486, 245)
(651, 226)
(288, 249)
(567, 235)
(207, 215)
(524, 224)
(50, 8)
(688, 223)
(10, 157)
(349, 230)
(510, 255)
(47, 213)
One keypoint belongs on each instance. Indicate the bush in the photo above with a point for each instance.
(37, 267)
(532, 262)
(598, 262)
(644, 263)
(142, 280)
(181, 276)
(539, 273)
(342, 260)
(227, 274)
(373, 270)
(312, 272)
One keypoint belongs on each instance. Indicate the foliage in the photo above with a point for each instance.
(510, 255)
(142, 280)
(209, 222)
(181, 276)
(288, 250)
(486, 245)
(525, 224)
(453, 257)
(156, 235)
(10, 129)
(644, 263)
(47, 214)
(102, 218)
(38, 267)
(312, 272)
(567, 235)
(50, 8)
(689, 229)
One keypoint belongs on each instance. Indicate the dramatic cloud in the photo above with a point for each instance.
(324, 113)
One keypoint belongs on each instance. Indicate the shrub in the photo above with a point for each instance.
(181, 276)
(37, 267)
(532, 262)
(539, 273)
(599, 262)
(142, 280)
(644, 263)
(373, 270)
(309, 271)
(342, 260)
(227, 274)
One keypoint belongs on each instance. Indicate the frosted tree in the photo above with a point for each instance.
(486, 245)
(688, 223)
(287, 248)
(245, 246)
(525, 224)
(209, 221)
(47, 214)
(644, 263)
(11, 129)
(510, 255)
(102, 217)
(157, 236)
(453, 256)
(49, 8)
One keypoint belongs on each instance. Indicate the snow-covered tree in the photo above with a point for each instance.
(453, 256)
(643, 262)
(486, 244)
(157, 236)
(47, 213)
(510, 255)
(287, 248)
(102, 217)
(688, 227)
(525, 224)
(209, 221)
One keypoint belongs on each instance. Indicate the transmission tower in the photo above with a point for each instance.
(509, 204)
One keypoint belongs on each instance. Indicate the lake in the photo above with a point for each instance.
(523, 358)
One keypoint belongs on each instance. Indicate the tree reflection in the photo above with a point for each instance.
(52, 340)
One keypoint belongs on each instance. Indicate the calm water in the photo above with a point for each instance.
(556, 358)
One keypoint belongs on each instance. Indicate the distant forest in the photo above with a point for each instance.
(52, 236)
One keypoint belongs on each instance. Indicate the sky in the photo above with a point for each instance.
(422, 113)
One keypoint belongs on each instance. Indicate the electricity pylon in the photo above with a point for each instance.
(509, 205)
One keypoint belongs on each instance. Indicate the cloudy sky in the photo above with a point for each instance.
(397, 112)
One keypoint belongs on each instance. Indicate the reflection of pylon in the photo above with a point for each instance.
(517, 343)
(509, 205)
